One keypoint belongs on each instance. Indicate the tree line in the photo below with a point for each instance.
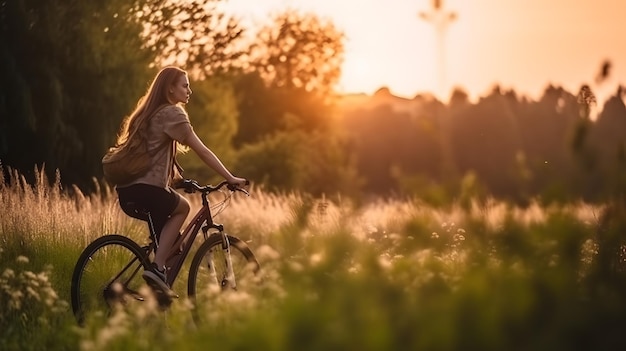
(264, 101)
(503, 145)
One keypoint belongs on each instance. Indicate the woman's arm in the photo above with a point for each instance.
(207, 156)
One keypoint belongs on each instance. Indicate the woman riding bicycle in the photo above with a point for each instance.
(161, 118)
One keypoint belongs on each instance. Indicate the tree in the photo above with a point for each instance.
(310, 161)
(259, 112)
(485, 139)
(295, 63)
(192, 34)
(607, 137)
(285, 104)
(64, 84)
(299, 51)
(544, 126)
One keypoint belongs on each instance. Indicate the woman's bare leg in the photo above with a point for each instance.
(170, 231)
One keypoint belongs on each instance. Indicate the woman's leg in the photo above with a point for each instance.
(170, 231)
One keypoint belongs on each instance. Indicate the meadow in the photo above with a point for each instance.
(387, 274)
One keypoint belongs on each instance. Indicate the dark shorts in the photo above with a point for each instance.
(139, 199)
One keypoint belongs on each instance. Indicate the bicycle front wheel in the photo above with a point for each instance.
(107, 274)
(209, 270)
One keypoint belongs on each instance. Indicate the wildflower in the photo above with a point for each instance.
(384, 261)
(354, 269)
(316, 258)
(8, 273)
(267, 252)
(31, 292)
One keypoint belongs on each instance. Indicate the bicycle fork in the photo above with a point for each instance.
(228, 278)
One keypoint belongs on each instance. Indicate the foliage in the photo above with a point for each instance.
(259, 111)
(64, 93)
(300, 160)
(390, 274)
(399, 143)
(213, 114)
(286, 135)
(294, 65)
(273, 161)
(299, 51)
(193, 34)
(29, 304)
(551, 149)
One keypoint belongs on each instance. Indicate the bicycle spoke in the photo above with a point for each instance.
(106, 276)
(209, 271)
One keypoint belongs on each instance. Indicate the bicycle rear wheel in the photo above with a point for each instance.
(107, 274)
(208, 271)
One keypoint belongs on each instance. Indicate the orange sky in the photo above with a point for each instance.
(519, 44)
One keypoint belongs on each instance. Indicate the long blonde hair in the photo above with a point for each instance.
(155, 97)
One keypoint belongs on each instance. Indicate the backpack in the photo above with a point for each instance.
(127, 162)
(124, 163)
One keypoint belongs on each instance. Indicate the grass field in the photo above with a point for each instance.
(392, 274)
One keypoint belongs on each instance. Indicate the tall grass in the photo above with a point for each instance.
(388, 275)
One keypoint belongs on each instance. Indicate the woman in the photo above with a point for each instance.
(161, 119)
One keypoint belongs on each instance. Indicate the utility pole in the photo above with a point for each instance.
(441, 20)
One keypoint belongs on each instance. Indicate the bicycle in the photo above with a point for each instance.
(109, 270)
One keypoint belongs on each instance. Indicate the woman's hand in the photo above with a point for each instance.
(239, 182)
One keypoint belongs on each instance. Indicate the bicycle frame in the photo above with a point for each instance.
(202, 220)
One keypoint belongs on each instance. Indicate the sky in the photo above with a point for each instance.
(523, 45)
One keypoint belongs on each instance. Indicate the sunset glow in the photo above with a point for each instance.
(518, 44)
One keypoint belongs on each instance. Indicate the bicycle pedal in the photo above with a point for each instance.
(159, 292)
(164, 301)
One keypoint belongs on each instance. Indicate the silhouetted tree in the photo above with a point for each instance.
(67, 69)
(285, 104)
(485, 139)
(608, 140)
(294, 65)
(259, 113)
(545, 128)
(458, 99)
(299, 51)
(313, 162)
(193, 34)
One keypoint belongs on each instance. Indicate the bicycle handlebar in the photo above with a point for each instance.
(190, 186)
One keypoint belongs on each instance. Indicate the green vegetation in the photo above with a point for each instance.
(490, 247)
(387, 275)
